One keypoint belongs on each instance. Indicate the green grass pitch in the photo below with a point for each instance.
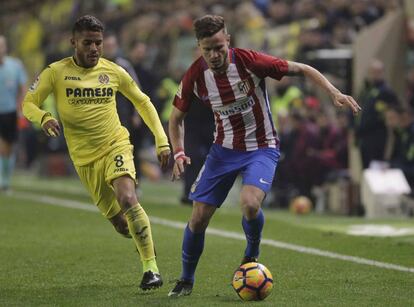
(68, 256)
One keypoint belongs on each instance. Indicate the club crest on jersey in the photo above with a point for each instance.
(244, 86)
(103, 79)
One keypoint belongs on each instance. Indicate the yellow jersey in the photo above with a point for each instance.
(85, 101)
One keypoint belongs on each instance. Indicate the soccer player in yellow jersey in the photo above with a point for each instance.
(84, 87)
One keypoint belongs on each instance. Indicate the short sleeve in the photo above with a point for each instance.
(263, 65)
(183, 98)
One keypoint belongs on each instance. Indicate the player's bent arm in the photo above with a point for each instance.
(339, 99)
(150, 116)
(176, 132)
(176, 129)
(35, 96)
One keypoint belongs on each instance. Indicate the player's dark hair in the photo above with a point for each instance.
(87, 23)
(208, 25)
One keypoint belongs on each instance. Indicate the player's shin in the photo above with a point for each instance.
(193, 245)
(253, 230)
(140, 229)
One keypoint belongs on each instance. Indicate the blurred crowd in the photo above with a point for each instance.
(154, 40)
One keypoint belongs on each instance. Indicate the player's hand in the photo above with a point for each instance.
(164, 157)
(179, 166)
(51, 128)
(341, 100)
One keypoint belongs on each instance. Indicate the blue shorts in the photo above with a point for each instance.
(222, 166)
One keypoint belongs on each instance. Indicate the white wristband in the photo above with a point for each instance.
(179, 154)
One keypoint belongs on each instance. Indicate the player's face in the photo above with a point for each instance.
(88, 48)
(214, 50)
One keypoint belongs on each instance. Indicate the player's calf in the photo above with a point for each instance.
(120, 224)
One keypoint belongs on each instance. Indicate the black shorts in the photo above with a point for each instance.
(8, 127)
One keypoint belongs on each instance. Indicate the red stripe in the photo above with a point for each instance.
(224, 88)
(236, 121)
(219, 130)
(239, 132)
(257, 109)
(260, 119)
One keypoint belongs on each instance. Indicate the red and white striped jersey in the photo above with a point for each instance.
(238, 98)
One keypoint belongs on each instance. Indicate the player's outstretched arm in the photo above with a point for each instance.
(148, 113)
(339, 99)
(176, 132)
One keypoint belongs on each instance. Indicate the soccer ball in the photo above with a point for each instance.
(300, 205)
(252, 281)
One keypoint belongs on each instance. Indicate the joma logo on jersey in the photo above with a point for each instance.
(72, 78)
(90, 92)
(244, 86)
(120, 169)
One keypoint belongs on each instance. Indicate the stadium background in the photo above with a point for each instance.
(338, 37)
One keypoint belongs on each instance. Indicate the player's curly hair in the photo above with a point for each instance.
(87, 23)
(208, 25)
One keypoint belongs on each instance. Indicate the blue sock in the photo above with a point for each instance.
(193, 244)
(253, 231)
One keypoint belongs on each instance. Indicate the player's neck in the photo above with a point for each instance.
(76, 61)
(221, 70)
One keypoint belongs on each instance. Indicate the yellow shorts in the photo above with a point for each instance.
(98, 175)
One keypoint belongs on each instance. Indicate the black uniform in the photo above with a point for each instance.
(371, 133)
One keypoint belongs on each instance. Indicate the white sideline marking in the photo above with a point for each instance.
(59, 202)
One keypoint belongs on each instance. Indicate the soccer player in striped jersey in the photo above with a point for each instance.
(84, 87)
(231, 81)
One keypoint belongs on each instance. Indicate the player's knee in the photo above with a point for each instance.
(250, 205)
(198, 223)
(127, 200)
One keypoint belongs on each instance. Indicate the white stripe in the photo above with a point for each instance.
(59, 202)
(234, 79)
(215, 99)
